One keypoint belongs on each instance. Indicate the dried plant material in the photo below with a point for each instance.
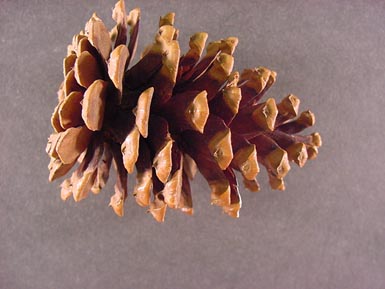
(162, 161)
(51, 145)
(98, 36)
(66, 189)
(86, 69)
(235, 198)
(68, 63)
(167, 117)
(85, 45)
(142, 111)
(197, 45)
(197, 112)
(93, 105)
(185, 201)
(117, 64)
(288, 107)
(220, 193)
(278, 162)
(251, 185)
(72, 143)
(70, 83)
(143, 186)
(82, 185)
(70, 110)
(158, 209)
(312, 152)
(130, 149)
(226, 103)
(297, 153)
(117, 200)
(245, 160)
(227, 46)
(220, 147)
(55, 120)
(120, 16)
(103, 169)
(173, 188)
(57, 169)
(265, 114)
(189, 110)
(84, 176)
(133, 19)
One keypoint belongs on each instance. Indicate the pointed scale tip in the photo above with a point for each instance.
(116, 203)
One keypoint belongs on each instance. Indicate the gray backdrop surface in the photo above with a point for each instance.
(326, 230)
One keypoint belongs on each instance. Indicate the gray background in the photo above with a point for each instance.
(327, 230)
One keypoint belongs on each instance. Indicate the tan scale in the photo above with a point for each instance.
(98, 36)
(289, 106)
(51, 145)
(84, 45)
(306, 118)
(57, 169)
(70, 110)
(312, 152)
(117, 204)
(265, 115)
(142, 111)
(119, 13)
(130, 149)
(245, 159)
(143, 188)
(55, 120)
(222, 67)
(167, 19)
(232, 97)
(227, 46)
(221, 149)
(278, 162)
(116, 65)
(103, 171)
(220, 193)
(198, 112)
(162, 161)
(316, 139)
(233, 209)
(70, 83)
(297, 153)
(94, 105)
(68, 63)
(173, 187)
(158, 209)
(81, 186)
(251, 185)
(276, 183)
(197, 44)
(72, 143)
(66, 189)
(86, 69)
(257, 78)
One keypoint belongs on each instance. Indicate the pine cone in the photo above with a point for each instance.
(168, 116)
